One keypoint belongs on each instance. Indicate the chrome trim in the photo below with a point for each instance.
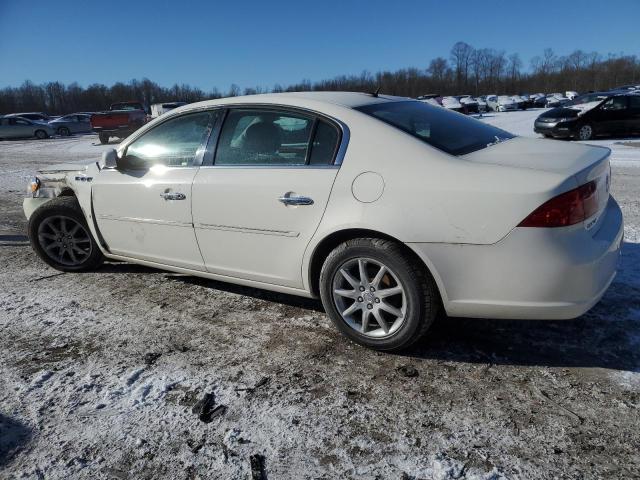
(229, 228)
(276, 167)
(145, 220)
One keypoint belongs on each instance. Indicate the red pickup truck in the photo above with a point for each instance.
(121, 120)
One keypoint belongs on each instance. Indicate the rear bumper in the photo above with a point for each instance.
(533, 273)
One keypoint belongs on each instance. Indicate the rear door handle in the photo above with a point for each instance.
(289, 199)
(173, 196)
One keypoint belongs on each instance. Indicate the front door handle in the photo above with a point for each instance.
(289, 199)
(173, 196)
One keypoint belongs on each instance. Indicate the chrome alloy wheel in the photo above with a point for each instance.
(369, 297)
(64, 240)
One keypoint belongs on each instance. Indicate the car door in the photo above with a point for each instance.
(634, 114)
(22, 127)
(611, 116)
(259, 202)
(84, 124)
(143, 208)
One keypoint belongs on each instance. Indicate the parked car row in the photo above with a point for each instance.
(41, 126)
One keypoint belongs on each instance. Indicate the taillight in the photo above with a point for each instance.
(566, 209)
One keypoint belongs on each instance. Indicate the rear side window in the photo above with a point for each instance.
(325, 144)
(264, 137)
(450, 132)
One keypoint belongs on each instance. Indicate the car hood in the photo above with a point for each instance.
(553, 156)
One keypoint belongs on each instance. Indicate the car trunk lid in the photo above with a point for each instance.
(584, 163)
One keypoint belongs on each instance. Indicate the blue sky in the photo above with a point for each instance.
(213, 44)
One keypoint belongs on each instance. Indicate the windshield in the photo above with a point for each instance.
(450, 132)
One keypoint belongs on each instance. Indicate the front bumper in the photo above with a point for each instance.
(532, 273)
(557, 130)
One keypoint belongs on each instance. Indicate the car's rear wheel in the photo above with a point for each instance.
(378, 295)
(41, 134)
(104, 138)
(585, 132)
(59, 234)
(64, 132)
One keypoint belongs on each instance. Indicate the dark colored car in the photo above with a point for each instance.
(616, 115)
(121, 120)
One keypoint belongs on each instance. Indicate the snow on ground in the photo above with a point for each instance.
(100, 373)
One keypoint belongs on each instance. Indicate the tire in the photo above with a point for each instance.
(59, 234)
(585, 132)
(417, 303)
(104, 138)
(41, 134)
(64, 132)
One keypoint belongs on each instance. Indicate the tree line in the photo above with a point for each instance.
(467, 70)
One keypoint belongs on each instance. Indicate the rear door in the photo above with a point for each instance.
(258, 203)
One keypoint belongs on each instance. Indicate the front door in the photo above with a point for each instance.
(612, 116)
(143, 208)
(256, 208)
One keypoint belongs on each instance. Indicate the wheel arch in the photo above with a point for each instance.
(332, 240)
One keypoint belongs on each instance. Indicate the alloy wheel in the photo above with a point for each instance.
(64, 240)
(369, 297)
(585, 132)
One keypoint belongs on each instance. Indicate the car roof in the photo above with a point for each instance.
(344, 99)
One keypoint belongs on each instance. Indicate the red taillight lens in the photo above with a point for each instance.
(569, 208)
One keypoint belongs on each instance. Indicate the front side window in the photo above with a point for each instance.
(615, 103)
(264, 137)
(447, 131)
(634, 102)
(173, 143)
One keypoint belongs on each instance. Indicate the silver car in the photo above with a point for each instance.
(18, 127)
(69, 124)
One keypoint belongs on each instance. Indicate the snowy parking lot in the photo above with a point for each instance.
(103, 374)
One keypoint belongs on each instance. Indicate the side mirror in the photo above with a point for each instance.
(109, 159)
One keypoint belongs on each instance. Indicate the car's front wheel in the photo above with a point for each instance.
(585, 132)
(378, 295)
(59, 234)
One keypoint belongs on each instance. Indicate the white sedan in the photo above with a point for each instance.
(386, 208)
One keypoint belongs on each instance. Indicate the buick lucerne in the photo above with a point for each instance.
(385, 208)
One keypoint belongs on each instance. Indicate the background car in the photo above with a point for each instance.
(452, 103)
(501, 103)
(18, 127)
(556, 100)
(482, 104)
(616, 115)
(469, 104)
(70, 124)
(35, 116)
(432, 99)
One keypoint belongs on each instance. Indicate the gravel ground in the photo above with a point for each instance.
(100, 374)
